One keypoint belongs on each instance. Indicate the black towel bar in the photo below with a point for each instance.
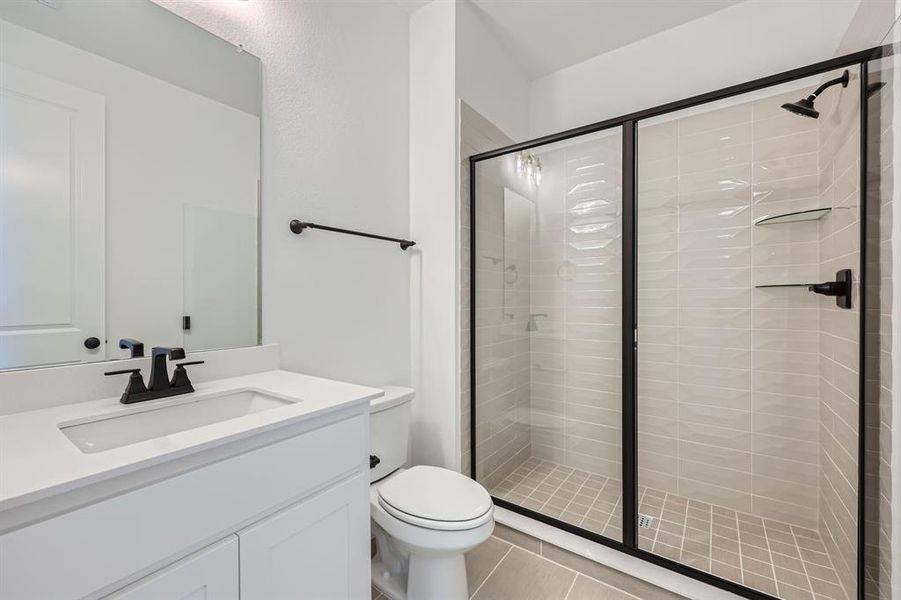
(298, 227)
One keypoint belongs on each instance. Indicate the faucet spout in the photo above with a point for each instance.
(159, 374)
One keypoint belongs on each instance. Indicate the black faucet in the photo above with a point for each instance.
(159, 385)
(159, 374)
(134, 346)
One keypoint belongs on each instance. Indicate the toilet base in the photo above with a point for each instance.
(393, 585)
(437, 578)
(407, 572)
(429, 578)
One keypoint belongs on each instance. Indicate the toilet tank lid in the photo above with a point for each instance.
(394, 395)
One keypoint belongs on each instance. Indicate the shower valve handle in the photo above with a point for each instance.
(840, 288)
(828, 288)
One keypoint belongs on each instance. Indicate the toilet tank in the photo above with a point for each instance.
(389, 431)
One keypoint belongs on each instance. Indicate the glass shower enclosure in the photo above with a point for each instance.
(667, 331)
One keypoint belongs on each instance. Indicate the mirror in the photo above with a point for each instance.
(129, 183)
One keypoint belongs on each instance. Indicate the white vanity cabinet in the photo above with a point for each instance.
(209, 574)
(310, 550)
(283, 513)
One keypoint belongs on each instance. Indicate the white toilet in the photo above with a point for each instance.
(424, 519)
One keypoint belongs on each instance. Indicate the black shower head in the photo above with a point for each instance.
(804, 106)
(874, 87)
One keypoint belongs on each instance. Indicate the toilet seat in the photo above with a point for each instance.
(436, 498)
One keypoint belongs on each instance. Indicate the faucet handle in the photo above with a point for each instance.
(135, 385)
(180, 375)
(122, 372)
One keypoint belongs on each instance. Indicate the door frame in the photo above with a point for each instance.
(628, 126)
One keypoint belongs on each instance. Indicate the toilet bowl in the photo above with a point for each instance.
(424, 519)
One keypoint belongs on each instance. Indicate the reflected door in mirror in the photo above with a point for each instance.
(51, 220)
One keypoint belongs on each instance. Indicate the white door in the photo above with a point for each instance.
(209, 574)
(317, 549)
(51, 220)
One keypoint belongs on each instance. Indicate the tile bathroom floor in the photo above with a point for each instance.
(514, 566)
(778, 558)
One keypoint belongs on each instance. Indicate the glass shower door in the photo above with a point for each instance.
(747, 381)
(548, 369)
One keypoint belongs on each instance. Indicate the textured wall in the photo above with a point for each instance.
(335, 151)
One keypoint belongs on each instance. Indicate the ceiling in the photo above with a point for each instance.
(547, 35)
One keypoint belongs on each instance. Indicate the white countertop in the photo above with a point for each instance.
(38, 461)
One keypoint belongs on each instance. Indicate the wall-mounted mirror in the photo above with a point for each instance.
(129, 183)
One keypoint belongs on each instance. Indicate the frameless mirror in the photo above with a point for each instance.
(129, 183)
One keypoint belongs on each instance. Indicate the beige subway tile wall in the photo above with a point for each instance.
(879, 385)
(576, 306)
(784, 360)
(839, 176)
(502, 267)
(728, 372)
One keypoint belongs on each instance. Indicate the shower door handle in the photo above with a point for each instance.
(840, 288)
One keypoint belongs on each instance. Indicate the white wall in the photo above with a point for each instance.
(748, 40)
(335, 151)
(433, 223)
(488, 77)
(453, 56)
(167, 148)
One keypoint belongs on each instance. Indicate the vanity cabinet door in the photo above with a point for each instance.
(317, 549)
(209, 574)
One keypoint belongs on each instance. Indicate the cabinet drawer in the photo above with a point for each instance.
(209, 574)
(89, 550)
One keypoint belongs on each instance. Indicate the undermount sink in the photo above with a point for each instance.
(106, 432)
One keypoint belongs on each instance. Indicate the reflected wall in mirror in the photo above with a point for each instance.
(129, 191)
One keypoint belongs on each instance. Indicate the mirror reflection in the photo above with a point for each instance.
(129, 195)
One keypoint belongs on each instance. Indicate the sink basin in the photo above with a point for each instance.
(146, 423)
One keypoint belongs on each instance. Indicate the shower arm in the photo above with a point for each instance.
(842, 80)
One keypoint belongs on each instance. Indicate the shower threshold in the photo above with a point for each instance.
(780, 559)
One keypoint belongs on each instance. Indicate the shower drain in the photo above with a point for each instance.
(645, 521)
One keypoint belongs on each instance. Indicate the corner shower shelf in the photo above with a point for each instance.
(795, 217)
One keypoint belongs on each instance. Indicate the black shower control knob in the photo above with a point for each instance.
(828, 288)
(374, 461)
(92, 343)
(840, 288)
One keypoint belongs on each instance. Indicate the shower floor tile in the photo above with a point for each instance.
(778, 558)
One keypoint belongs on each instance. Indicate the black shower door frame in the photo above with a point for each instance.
(628, 124)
